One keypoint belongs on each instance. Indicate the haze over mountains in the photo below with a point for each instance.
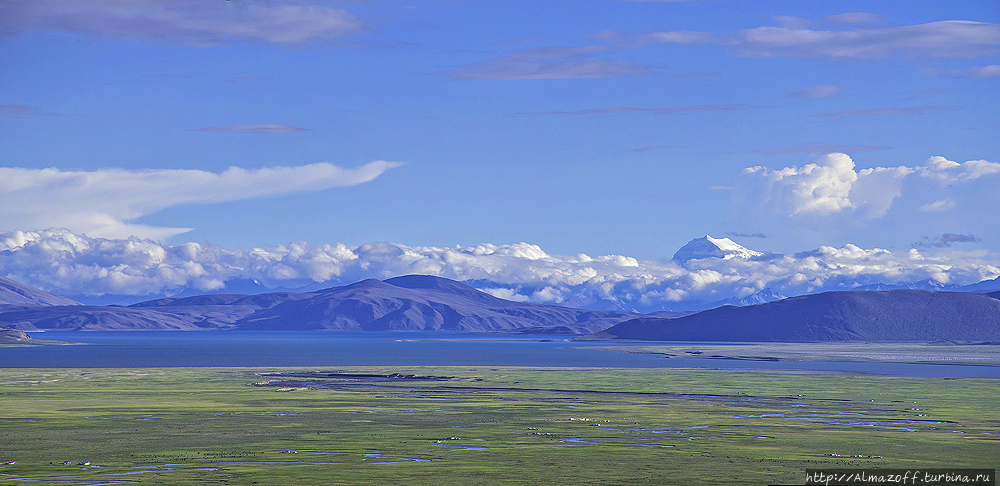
(704, 273)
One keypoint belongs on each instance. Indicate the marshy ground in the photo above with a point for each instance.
(480, 425)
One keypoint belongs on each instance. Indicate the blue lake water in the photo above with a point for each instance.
(113, 349)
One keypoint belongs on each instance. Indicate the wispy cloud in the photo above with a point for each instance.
(856, 18)
(914, 110)
(951, 39)
(820, 149)
(737, 234)
(697, 74)
(270, 129)
(938, 206)
(650, 148)
(190, 22)
(825, 91)
(946, 240)
(991, 71)
(554, 62)
(247, 77)
(105, 202)
(21, 110)
(619, 110)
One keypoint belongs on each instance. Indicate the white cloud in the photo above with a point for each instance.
(191, 22)
(821, 187)
(73, 264)
(937, 206)
(106, 202)
(947, 171)
(832, 185)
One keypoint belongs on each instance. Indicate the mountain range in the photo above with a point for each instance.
(422, 302)
(408, 303)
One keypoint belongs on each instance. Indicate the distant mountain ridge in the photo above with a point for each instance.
(15, 293)
(412, 303)
(895, 315)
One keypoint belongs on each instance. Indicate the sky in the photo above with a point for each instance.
(554, 130)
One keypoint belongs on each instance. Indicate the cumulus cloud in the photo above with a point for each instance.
(72, 264)
(271, 129)
(105, 202)
(191, 22)
(948, 171)
(832, 185)
(821, 187)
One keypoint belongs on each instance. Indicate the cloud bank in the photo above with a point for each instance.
(106, 202)
(71, 264)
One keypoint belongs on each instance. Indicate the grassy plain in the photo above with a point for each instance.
(486, 425)
(943, 353)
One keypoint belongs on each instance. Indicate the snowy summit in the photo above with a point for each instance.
(708, 247)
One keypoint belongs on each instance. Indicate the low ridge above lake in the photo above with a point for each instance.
(895, 315)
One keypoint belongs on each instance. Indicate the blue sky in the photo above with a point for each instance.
(597, 127)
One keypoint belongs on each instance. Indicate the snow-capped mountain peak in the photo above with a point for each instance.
(708, 247)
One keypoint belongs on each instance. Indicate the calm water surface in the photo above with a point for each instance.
(124, 349)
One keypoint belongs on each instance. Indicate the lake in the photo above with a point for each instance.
(141, 349)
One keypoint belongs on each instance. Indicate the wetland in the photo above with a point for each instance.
(480, 425)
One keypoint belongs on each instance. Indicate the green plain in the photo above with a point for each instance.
(487, 425)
